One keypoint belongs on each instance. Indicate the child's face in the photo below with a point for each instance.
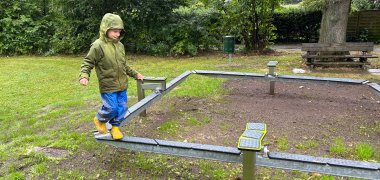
(114, 34)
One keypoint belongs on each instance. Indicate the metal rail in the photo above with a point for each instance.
(338, 167)
(222, 74)
(142, 105)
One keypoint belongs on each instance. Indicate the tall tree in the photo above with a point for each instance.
(251, 21)
(334, 21)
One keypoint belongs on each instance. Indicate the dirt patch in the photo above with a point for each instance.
(51, 152)
(298, 112)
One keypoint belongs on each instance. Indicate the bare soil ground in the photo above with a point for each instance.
(298, 112)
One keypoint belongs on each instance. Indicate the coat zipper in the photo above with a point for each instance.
(118, 67)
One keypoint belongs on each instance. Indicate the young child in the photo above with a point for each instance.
(107, 55)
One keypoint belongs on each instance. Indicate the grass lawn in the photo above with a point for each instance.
(43, 105)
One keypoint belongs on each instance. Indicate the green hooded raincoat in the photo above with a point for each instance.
(108, 58)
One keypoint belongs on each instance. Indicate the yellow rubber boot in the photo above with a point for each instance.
(116, 134)
(100, 126)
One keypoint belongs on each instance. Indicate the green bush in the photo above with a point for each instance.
(360, 5)
(24, 28)
(250, 21)
(297, 25)
(186, 32)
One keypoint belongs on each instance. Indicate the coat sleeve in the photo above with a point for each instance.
(130, 71)
(89, 62)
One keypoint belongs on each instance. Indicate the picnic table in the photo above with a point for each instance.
(327, 54)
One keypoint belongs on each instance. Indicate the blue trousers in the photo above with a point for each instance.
(115, 106)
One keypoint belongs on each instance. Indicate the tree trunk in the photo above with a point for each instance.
(334, 21)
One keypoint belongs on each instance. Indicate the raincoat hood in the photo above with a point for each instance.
(107, 56)
(110, 21)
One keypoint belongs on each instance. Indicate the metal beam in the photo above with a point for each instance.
(176, 81)
(325, 79)
(151, 86)
(375, 87)
(193, 150)
(331, 166)
(338, 167)
(223, 74)
(142, 105)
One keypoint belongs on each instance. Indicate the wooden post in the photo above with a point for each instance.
(140, 95)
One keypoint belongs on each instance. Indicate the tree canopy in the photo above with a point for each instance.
(356, 5)
(157, 27)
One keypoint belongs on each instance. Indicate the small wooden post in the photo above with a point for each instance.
(140, 95)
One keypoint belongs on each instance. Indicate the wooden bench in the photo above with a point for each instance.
(350, 53)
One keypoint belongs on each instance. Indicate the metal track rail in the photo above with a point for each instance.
(142, 105)
(338, 167)
(222, 74)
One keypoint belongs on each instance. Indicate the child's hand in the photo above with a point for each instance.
(83, 81)
(139, 76)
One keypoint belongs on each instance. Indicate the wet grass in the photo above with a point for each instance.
(308, 144)
(282, 143)
(361, 151)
